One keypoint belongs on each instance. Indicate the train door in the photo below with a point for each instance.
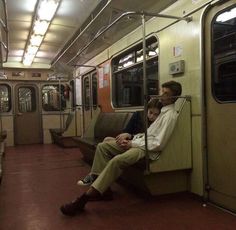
(27, 117)
(220, 85)
(89, 98)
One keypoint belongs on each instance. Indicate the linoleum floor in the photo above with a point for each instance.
(37, 179)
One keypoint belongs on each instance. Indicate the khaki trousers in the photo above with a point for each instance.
(109, 162)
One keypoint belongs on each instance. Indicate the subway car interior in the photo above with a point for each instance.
(73, 75)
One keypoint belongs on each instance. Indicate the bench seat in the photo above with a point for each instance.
(170, 173)
(106, 124)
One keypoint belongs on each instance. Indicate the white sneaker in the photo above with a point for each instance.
(88, 180)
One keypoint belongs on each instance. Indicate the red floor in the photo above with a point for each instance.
(39, 178)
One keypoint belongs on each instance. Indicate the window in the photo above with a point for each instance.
(127, 78)
(26, 99)
(72, 89)
(5, 98)
(86, 93)
(90, 94)
(94, 90)
(224, 56)
(53, 98)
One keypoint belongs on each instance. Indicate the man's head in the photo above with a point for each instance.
(153, 109)
(170, 91)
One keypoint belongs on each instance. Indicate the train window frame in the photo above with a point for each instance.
(59, 107)
(8, 97)
(126, 76)
(223, 58)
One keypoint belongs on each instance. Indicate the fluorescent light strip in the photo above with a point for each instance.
(47, 9)
(45, 13)
(36, 40)
(40, 27)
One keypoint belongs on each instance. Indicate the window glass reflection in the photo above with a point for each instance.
(127, 78)
(224, 56)
(5, 96)
(94, 90)
(52, 98)
(86, 93)
(26, 99)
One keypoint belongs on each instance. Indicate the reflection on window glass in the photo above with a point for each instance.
(224, 56)
(53, 98)
(94, 88)
(129, 84)
(127, 81)
(26, 99)
(5, 95)
(86, 93)
(72, 87)
(126, 61)
(151, 51)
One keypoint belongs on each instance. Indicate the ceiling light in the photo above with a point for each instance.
(44, 13)
(40, 27)
(28, 59)
(36, 40)
(32, 49)
(47, 9)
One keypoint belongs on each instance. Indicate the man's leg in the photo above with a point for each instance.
(105, 151)
(115, 167)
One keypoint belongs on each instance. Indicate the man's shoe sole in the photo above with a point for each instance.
(80, 183)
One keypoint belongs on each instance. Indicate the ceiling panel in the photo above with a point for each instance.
(69, 17)
(65, 28)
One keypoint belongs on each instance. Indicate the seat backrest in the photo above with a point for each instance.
(110, 124)
(177, 154)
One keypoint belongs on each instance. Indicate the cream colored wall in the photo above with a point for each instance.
(188, 40)
(52, 121)
(49, 122)
(27, 75)
(7, 124)
(187, 36)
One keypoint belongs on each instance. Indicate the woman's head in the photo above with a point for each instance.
(153, 109)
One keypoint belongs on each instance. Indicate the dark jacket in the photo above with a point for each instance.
(135, 124)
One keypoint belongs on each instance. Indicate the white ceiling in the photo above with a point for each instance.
(69, 17)
(65, 28)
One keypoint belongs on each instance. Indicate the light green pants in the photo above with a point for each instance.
(109, 162)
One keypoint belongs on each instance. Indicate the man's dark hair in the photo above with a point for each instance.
(174, 86)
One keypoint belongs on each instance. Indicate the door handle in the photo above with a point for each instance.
(19, 114)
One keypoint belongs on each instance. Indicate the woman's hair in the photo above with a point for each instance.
(154, 103)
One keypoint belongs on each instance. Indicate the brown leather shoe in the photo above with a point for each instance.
(75, 207)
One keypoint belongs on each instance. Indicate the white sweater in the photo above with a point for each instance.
(158, 133)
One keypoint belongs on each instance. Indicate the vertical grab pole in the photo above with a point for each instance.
(147, 168)
(60, 100)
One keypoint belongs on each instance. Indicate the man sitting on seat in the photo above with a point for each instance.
(111, 158)
(134, 126)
